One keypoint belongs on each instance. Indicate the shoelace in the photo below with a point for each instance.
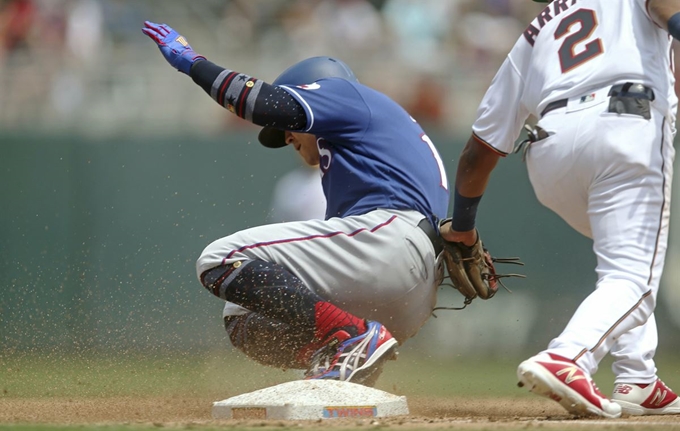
(334, 358)
(349, 361)
(321, 359)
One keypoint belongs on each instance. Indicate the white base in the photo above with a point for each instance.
(311, 399)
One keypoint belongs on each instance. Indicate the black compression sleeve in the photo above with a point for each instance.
(249, 98)
(204, 73)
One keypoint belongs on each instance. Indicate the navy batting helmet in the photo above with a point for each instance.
(304, 72)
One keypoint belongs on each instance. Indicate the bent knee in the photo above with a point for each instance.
(219, 252)
(216, 279)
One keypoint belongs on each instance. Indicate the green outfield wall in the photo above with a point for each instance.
(98, 238)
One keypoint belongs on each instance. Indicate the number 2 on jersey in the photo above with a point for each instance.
(569, 59)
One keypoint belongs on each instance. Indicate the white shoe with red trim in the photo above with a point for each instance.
(651, 399)
(563, 381)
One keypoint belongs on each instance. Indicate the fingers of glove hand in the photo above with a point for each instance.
(489, 262)
(479, 269)
(161, 33)
(162, 29)
(490, 276)
(153, 35)
(155, 32)
(457, 270)
(166, 29)
(476, 274)
(150, 25)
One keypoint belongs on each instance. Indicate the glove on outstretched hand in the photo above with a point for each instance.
(173, 46)
(471, 269)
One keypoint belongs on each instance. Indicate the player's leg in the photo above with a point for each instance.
(327, 335)
(637, 388)
(280, 345)
(379, 266)
(388, 272)
(267, 341)
(561, 183)
(633, 354)
(274, 343)
(333, 256)
(628, 208)
(613, 164)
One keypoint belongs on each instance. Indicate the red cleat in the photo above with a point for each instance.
(563, 381)
(651, 399)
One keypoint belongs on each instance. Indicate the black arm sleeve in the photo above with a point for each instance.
(251, 99)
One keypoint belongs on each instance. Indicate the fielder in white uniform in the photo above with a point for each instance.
(597, 74)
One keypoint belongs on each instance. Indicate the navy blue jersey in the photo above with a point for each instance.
(373, 154)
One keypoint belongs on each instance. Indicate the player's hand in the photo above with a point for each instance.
(468, 238)
(173, 46)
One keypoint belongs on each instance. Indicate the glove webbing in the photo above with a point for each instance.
(495, 277)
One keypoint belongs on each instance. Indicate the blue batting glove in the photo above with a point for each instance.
(173, 46)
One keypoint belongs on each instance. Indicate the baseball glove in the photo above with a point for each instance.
(471, 270)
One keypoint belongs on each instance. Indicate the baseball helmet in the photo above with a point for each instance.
(305, 72)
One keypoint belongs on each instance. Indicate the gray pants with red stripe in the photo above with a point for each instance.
(378, 266)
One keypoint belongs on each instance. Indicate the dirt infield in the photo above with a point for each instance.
(426, 413)
(155, 391)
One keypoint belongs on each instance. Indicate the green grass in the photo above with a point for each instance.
(487, 377)
(136, 374)
(219, 375)
(228, 373)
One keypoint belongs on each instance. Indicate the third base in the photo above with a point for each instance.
(311, 400)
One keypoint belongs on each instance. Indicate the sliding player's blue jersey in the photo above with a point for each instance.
(373, 153)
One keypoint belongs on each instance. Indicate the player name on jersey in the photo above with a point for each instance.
(547, 14)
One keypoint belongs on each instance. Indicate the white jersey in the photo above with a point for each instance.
(571, 48)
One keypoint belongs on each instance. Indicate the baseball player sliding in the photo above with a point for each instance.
(334, 296)
(597, 74)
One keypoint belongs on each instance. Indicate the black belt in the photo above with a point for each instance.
(628, 89)
(431, 233)
(557, 104)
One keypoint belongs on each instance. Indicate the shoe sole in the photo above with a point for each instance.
(381, 355)
(637, 410)
(541, 382)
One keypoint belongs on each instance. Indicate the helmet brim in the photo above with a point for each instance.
(272, 138)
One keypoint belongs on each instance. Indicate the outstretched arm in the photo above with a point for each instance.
(250, 98)
(475, 165)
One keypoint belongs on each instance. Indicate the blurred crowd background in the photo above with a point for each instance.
(84, 65)
(116, 171)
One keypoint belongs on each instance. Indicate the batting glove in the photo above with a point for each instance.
(173, 46)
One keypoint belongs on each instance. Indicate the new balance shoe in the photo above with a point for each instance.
(651, 399)
(563, 381)
(358, 359)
